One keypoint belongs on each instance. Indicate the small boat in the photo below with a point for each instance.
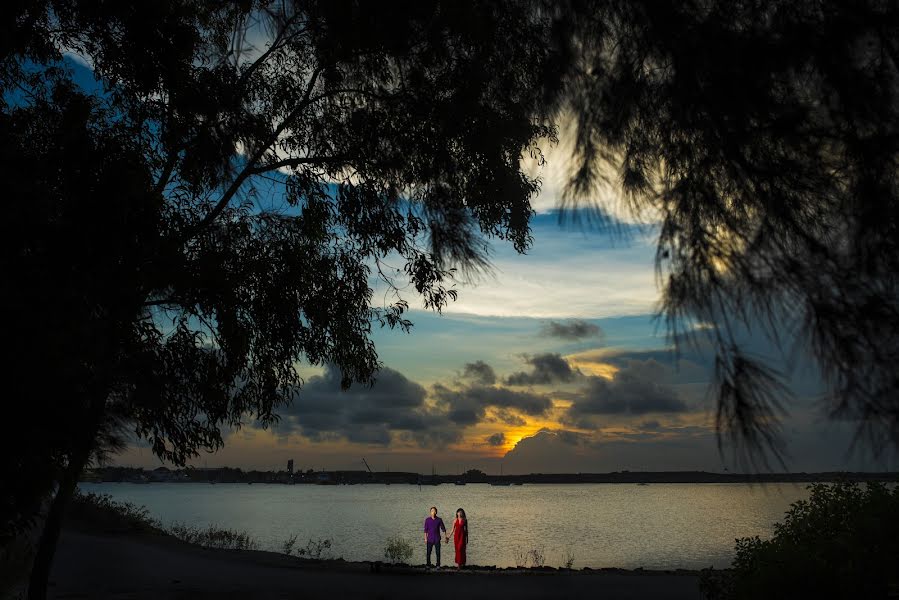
(460, 483)
(501, 483)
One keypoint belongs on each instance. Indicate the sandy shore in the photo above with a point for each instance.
(123, 566)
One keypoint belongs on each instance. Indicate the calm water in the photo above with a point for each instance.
(602, 525)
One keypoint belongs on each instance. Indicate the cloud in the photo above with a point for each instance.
(572, 330)
(690, 365)
(567, 451)
(368, 415)
(508, 417)
(468, 405)
(548, 451)
(547, 368)
(479, 372)
(636, 389)
(497, 439)
(602, 276)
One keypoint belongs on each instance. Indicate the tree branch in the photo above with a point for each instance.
(162, 302)
(295, 162)
(276, 44)
(250, 166)
(167, 171)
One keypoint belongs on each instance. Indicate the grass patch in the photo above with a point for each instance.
(530, 558)
(213, 536)
(99, 512)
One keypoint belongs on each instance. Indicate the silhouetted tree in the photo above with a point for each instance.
(763, 136)
(218, 208)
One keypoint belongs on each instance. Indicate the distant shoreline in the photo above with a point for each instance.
(231, 475)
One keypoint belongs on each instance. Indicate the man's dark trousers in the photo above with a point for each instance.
(436, 547)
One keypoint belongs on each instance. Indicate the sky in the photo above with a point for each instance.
(552, 361)
(549, 361)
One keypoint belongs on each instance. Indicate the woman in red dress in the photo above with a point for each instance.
(459, 532)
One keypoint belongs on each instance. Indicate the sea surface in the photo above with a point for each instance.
(655, 526)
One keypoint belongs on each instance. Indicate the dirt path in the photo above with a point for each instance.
(97, 566)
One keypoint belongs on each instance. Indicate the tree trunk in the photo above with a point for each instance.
(43, 560)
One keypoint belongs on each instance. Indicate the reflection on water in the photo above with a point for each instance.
(603, 525)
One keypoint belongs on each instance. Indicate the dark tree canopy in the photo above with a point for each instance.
(765, 138)
(180, 239)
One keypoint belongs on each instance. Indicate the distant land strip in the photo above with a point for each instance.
(235, 475)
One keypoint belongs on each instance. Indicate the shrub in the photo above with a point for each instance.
(398, 550)
(843, 542)
(567, 558)
(108, 515)
(289, 543)
(716, 584)
(537, 557)
(521, 558)
(534, 557)
(213, 536)
(316, 549)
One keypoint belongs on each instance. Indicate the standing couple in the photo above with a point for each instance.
(434, 525)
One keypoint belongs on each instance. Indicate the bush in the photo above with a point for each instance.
(521, 557)
(316, 549)
(534, 557)
(398, 550)
(568, 558)
(289, 543)
(843, 542)
(537, 557)
(213, 536)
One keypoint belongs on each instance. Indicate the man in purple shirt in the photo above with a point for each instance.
(433, 525)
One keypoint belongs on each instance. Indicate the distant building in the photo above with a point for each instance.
(290, 466)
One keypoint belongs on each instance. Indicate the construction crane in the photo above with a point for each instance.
(372, 473)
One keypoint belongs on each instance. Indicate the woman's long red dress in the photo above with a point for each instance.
(460, 540)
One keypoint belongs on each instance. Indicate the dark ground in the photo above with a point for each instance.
(136, 567)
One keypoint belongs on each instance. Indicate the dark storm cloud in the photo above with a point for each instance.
(690, 365)
(441, 433)
(572, 330)
(560, 451)
(500, 397)
(508, 417)
(468, 405)
(368, 415)
(549, 451)
(460, 408)
(497, 439)
(636, 389)
(479, 372)
(547, 368)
